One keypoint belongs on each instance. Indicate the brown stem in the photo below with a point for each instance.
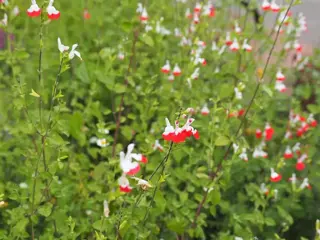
(118, 122)
(219, 168)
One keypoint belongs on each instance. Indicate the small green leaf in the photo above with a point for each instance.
(214, 197)
(148, 40)
(222, 141)
(33, 93)
(45, 210)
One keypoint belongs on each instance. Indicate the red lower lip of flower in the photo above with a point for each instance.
(241, 112)
(314, 123)
(276, 179)
(54, 16)
(300, 166)
(266, 8)
(196, 135)
(168, 137)
(144, 159)
(212, 13)
(125, 189)
(228, 43)
(288, 155)
(34, 13)
(142, 18)
(176, 74)
(165, 71)
(275, 10)
(86, 14)
(204, 113)
(134, 171)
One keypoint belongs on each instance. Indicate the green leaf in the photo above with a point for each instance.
(124, 226)
(119, 88)
(214, 197)
(46, 209)
(148, 40)
(269, 221)
(33, 93)
(222, 141)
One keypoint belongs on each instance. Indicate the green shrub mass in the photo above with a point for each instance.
(64, 121)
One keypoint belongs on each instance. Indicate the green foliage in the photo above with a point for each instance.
(55, 178)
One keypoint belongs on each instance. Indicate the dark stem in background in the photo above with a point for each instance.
(118, 122)
(219, 168)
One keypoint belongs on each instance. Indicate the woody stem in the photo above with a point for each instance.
(219, 168)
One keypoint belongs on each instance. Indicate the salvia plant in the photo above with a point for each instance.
(169, 119)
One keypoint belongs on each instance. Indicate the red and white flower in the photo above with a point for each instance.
(228, 39)
(288, 154)
(275, 177)
(280, 76)
(144, 16)
(258, 133)
(266, 6)
(312, 121)
(243, 155)
(34, 10)
(124, 184)
(129, 166)
(305, 184)
(297, 46)
(53, 13)
(157, 146)
(268, 132)
(274, 6)
(234, 46)
(209, 10)
(166, 68)
(188, 13)
(197, 8)
(280, 86)
(196, 18)
(205, 110)
(246, 46)
(86, 14)
(300, 165)
(176, 70)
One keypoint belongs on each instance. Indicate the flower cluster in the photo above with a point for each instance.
(177, 134)
(34, 10)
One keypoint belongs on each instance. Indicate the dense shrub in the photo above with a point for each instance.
(68, 121)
